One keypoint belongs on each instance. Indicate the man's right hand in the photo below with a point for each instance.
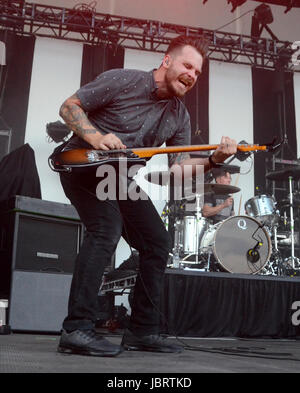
(105, 142)
(76, 119)
(228, 202)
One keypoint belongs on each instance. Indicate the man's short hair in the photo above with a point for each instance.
(218, 172)
(199, 43)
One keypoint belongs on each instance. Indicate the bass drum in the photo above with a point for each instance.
(233, 242)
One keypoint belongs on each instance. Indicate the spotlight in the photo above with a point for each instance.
(264, 14)
(261, 19)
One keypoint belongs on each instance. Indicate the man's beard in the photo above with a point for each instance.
(171, 91)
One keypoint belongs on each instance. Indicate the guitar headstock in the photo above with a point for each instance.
(246, 148)
(268, 147)
(272, 147)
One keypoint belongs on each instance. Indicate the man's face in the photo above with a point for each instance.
(184, 67)
(224, 179)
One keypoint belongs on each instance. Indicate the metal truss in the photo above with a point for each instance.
(85, 25)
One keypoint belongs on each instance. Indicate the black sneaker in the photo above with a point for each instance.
(87, 342)
(151, 343)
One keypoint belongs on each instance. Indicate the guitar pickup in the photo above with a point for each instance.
(93, 155)
(132, 155)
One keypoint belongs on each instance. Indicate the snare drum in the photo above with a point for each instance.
(263, 208)
(192, 231)
(231, 240)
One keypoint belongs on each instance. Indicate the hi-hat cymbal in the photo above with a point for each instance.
(286, 203)
(283, 175)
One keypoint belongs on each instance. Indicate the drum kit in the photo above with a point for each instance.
(253, 243)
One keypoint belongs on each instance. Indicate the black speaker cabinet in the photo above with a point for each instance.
(39, 241)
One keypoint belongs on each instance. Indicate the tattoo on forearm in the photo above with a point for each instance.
(76, 119)
(177, 158)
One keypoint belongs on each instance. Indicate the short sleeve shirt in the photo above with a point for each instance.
(214, 200)
(124, 102)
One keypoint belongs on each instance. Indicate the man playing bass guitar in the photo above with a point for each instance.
(122, 109)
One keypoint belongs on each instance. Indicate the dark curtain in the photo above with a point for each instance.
(197, 103)
(19, 175)
(274, 116)
(229, 305)
(97, 59)
(15, 84)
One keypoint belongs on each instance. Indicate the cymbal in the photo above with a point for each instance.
(190, 192)
(284, 174)
(286, 203)
(220, 189)
(162, 178)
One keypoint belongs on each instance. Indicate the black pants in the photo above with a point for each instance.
(106, 221)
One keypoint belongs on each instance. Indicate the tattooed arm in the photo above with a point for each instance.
(76, 119)
(226, 148)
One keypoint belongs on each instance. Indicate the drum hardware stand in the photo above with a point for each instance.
(177, 247)
(294, 260)
(275, 266)
(198, 217)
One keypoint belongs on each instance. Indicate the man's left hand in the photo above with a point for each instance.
(227, 148)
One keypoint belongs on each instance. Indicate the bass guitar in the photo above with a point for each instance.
(87, 158)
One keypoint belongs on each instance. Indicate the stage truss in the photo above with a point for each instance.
(90, 27)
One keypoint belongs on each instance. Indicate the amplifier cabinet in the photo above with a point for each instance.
(37, 255)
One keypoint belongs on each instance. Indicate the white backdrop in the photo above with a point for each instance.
(56, 75)
(231, 114)
(297, 106)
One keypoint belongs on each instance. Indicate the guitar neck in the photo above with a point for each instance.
(151, 151)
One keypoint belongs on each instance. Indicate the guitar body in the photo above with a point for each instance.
(82, 160)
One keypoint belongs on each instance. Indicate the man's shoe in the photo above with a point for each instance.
(87, 342)
(151, 343)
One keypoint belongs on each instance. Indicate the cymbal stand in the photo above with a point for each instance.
(198, 217)
(292, 223)
(177, 246)
(275, 264)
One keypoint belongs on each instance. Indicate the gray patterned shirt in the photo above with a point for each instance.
(124, 102)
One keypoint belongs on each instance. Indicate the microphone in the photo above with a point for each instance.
(253, 255)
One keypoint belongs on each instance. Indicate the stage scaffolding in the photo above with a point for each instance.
(85, 25)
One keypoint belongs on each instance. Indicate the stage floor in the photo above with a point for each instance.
(36, 353)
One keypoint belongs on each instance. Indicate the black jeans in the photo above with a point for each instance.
(105, 222)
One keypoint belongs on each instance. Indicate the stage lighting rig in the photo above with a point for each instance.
(236, 3)
(289, 6)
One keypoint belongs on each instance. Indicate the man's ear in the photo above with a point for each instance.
(167, 61)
